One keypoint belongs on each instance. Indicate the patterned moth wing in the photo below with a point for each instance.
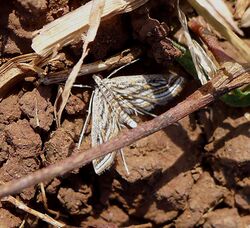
(104, 126)
(117, 110)
(107, 119)
(114, 99)
(141, 93)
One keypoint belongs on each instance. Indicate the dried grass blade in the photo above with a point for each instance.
(240, 8)
(94, 22)
(224, 15)
(245, 20)
(31, 211)
(71, 26)
(203, 64)
(13, 71)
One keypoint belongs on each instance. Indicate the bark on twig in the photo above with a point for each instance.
(230, 77)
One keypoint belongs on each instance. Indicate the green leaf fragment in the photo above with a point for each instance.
(185, 60)
(237, 98)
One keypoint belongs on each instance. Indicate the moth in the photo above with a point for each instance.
(115, 100)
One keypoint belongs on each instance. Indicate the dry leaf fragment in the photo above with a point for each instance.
(13, 71)
(71, 26)
(225, 14)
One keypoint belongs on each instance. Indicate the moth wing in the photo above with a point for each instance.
(104, 127)
(144, 92)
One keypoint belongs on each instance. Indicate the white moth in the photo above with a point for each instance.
(114, 101)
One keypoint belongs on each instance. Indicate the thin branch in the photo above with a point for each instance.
(230, 77)
(31, 211)
(110, 63)
(210, 39)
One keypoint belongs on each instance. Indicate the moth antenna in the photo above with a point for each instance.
(147, 113)
(86, 121)
(77, 85)
(124, 162)
(82, 86)
(118, 69)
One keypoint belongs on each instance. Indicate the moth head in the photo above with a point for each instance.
(97, 78)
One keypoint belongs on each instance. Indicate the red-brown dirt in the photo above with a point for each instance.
(193, 173)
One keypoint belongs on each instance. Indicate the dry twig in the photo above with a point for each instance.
(110, 63)
(31, 211)
(231, 76)
(238, 43)
(45, 202)
(210, 40)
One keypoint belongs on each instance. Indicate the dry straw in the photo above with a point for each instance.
(72, 25)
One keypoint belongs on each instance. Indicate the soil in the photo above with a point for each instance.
(193, 173)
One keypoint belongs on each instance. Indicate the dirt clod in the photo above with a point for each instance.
(74, 202)
(9, 110)
(37, 107)
(56, 149)
(7, 219)
(203, 196)
(223, 218)
(75, 105)
(22, 138)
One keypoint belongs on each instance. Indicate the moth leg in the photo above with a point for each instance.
(123, 155)
(86, 121)
(143, 111)
(124, 161)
